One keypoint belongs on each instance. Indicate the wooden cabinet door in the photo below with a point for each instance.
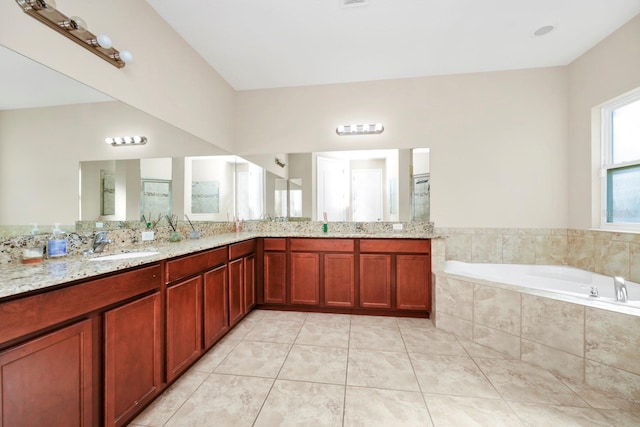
(412, 282)
(216, 305)
(48, 381)
(184, 330)
(305, 278)
(275, 278)
(339, 281)
(249, 283)
(132, 360)
(236, 286)
(375, 281)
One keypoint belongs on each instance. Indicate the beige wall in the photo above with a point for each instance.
(606, 71)
(495, 138)
(167, 79)
(41, 148)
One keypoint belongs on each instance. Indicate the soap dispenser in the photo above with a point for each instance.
(57, 244)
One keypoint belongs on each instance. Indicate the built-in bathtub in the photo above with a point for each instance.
(552, 279)
(545, 316)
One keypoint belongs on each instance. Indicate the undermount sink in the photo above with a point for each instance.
(126, 255)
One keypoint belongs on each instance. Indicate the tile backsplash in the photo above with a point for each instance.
(127, 234)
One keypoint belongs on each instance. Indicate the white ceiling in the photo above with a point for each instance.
(279, 43)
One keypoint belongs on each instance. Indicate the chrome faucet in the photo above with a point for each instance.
(99, 242)
(620, 289)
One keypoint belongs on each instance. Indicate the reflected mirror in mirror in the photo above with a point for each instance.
(250, 188)
(108, 192)
(209, 187)
(284, 200)
(420, 185)
(360, 185)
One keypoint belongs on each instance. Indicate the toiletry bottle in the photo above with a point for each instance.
(57, 244)
(325, 225)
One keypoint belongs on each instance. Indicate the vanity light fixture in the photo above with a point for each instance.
(354, 129)
(126, 140)
(74, 28)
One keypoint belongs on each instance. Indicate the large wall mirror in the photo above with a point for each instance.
(49, 124)
(351, 186)
(56, 168)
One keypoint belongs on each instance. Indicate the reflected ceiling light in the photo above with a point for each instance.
(75, 29)
(358, 129)
(126, 140)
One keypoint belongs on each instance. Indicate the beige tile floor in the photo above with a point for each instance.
(306, 369)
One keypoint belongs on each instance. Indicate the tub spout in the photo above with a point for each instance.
(620, 289)
(593, 292)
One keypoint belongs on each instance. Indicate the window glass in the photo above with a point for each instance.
(623, 195)
(621, 162)
(625, 133)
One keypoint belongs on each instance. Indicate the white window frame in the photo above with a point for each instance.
(605, 159)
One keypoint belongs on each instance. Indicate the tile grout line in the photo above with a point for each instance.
(200, 385)
(185, 400)
(279, 370)
(346, 376)
(415, 375)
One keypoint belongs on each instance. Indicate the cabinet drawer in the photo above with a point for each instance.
(322, 245)
(238, 250)
(421, 246)
(193, 264)
(272, 244)
(31, 314)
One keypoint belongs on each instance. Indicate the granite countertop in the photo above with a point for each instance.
(26, 278)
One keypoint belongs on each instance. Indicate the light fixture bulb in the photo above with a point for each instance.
(128, 140)
(78, 24)
(118, 140)
(49, 5)
(137, 139)
(108, 140)
(126, 56)
(360, 129)
(104, 41)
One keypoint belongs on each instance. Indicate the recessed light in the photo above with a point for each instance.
(542, 31)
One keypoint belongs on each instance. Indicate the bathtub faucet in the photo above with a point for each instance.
(593, 292)
(620, 289)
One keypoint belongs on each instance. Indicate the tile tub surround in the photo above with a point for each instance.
(582, 343)
(604, 252)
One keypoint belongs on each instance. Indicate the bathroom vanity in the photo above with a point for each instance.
(96, 349)
(359, 276)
